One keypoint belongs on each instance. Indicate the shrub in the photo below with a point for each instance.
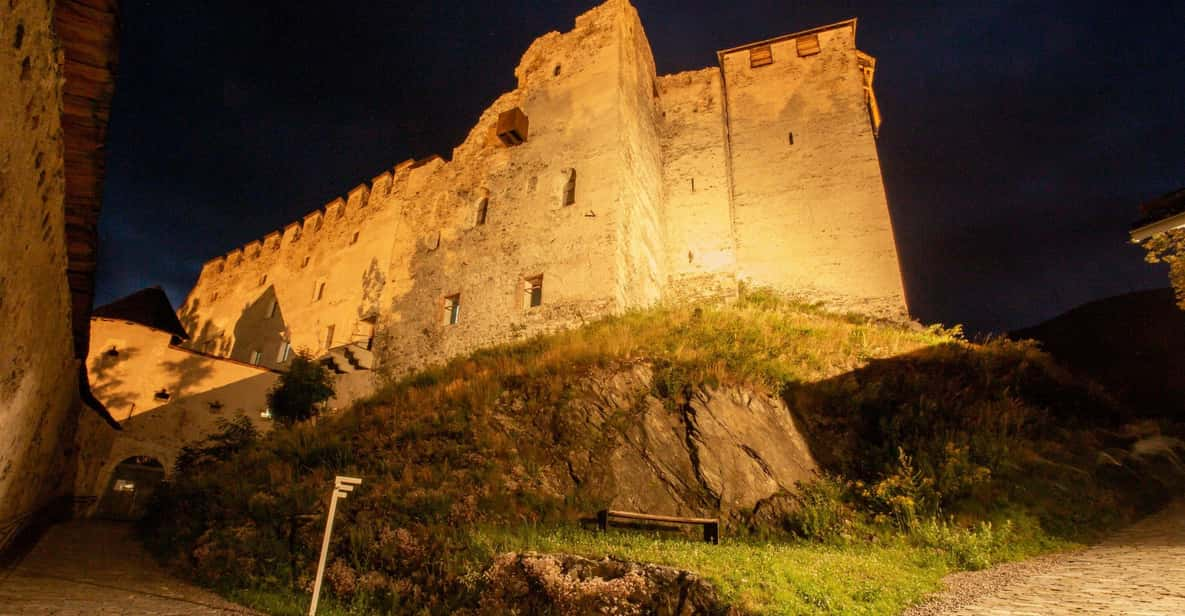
(821, 511)
(301, 391)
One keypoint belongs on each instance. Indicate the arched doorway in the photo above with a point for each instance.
(130, 488)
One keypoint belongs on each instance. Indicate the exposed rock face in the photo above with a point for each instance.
(533, 583)
(724, 451)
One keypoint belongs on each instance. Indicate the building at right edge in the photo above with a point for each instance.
(594, 187)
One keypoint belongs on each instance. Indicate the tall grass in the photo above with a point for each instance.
(928, 439)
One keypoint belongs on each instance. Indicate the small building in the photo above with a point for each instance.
(1164, 213)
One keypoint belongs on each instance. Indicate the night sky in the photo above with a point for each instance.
(1018, 141)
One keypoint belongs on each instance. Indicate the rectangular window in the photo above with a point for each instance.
(263, 280)
(533, 291)
(483, 209)
(569, 188)
(760, 56)
(285, 351)
(354, 239)
(807, 45)
(318, 291)
(329, 337)
(452, 309)
(256, 357)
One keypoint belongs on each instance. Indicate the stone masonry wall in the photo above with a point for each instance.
(811, 217)
(38, 374)
(700, 248)
(684, 185)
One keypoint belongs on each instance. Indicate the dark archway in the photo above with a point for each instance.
(130, 488)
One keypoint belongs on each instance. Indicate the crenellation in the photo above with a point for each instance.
(357, 197)
(627, 189)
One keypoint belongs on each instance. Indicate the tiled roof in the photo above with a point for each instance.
(149, 307)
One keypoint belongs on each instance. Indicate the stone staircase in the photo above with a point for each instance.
(352, 357)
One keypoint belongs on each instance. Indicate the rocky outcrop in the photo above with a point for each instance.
(533, 583)
(718, 451)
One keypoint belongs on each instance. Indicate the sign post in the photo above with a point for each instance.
(341, 486)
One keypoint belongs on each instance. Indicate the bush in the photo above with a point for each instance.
(821, 511)
(302, 390)
(967, 548)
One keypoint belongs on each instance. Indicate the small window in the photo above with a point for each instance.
(807, 45)
(256, 357)
(271, 309)
(263, 280)
(112, 352)
(305, 263)
(285, 352)
(533, 292)
(318, 291)
(354, 238)
(483, 209)
(452, 309)
(214, 297)
(791, 138)
(569, 197)
(329, 337)
(556, 71)
(163, 394)
(760, 56)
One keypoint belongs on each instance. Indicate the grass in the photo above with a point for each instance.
(761, 577)
(781, 577)
(993, 434)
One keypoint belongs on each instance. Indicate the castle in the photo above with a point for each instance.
(593, 188)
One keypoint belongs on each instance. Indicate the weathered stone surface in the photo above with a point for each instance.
(532, 583)
(684, 185)
(723, 453)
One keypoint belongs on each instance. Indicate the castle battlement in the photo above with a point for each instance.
(595, 186)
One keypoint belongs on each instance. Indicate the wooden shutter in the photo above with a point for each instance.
(808, 45)
(760, 56)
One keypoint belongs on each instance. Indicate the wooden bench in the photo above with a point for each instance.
(711, 525)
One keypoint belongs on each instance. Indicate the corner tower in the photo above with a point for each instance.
(810, 214)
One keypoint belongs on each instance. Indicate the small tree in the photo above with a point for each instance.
(302, 390)
(1169, 247)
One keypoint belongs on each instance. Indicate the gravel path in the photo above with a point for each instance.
(1140, 570)
(98, 568)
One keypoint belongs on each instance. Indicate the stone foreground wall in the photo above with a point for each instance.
(684, 185)
(38, 373)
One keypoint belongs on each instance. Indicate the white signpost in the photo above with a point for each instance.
(341, 486)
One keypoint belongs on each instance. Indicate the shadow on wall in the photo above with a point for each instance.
(161, 432)
(109, 389)
(260, 329)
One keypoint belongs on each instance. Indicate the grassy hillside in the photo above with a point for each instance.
(937, 455)
(1134, 344)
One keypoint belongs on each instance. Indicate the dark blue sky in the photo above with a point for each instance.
(1019, 137)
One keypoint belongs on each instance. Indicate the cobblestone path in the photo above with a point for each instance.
(1138, 571)
(98, 568)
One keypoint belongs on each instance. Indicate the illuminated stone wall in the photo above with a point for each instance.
(672, 202)
(38, 373)
(811, 216)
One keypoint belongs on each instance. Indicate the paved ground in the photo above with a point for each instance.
(97, 568)
(1138, 571)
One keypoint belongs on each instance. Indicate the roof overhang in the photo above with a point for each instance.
(839, 24)
(1176, 221)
